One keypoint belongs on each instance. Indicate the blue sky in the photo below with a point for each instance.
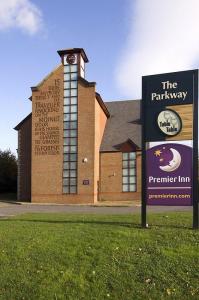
(97, 26)
(123, 39)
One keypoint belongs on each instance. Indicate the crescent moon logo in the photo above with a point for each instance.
(174, 163)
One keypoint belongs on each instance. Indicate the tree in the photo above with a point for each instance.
(8, 172)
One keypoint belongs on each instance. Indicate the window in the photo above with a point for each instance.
(70, 129)
(129, 172)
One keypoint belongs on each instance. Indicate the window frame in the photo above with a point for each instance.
(70, 130)
(128, 167)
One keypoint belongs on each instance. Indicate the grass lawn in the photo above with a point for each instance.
(61, 256)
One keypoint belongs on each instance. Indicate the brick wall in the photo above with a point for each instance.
(24, 161)
(100, 123)
(91, 125)
(102, 172)
(47, 167)
(111, 178)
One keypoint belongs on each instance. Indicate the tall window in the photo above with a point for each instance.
(70, 129)
(129, 172)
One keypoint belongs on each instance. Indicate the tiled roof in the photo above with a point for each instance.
(124, 124)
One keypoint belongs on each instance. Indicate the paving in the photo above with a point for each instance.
(8, 209)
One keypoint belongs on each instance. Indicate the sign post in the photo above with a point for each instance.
(195, 156)
(170, 141)
(143, 115)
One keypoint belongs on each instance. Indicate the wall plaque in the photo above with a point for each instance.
(85, 182)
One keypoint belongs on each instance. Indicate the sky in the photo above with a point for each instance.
(123, 39)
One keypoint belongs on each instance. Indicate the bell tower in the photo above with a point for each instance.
(74, 57)
(73, 61)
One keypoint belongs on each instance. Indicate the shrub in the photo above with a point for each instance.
(8, 172)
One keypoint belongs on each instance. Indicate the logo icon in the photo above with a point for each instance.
(169, 122)
(169, 159)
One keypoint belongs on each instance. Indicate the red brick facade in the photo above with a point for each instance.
(99, 174)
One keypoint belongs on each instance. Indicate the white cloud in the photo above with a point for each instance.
(22, 14)
(163, 37)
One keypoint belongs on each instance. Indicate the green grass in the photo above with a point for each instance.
(60, 256)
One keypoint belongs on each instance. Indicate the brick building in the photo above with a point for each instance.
(74, 147)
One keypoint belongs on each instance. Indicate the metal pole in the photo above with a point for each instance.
(195, 152)
(143, 193)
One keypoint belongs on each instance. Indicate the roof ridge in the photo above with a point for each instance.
(116, 101)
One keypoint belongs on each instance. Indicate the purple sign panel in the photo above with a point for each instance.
(169, 175)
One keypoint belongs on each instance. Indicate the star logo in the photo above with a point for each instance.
(157, 153)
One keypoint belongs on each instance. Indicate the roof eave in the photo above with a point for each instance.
(102, 105)
(21, 123)
(74, 50)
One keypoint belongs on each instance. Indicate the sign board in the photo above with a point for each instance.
(170, 120)
(166, 92)
(169, 175)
